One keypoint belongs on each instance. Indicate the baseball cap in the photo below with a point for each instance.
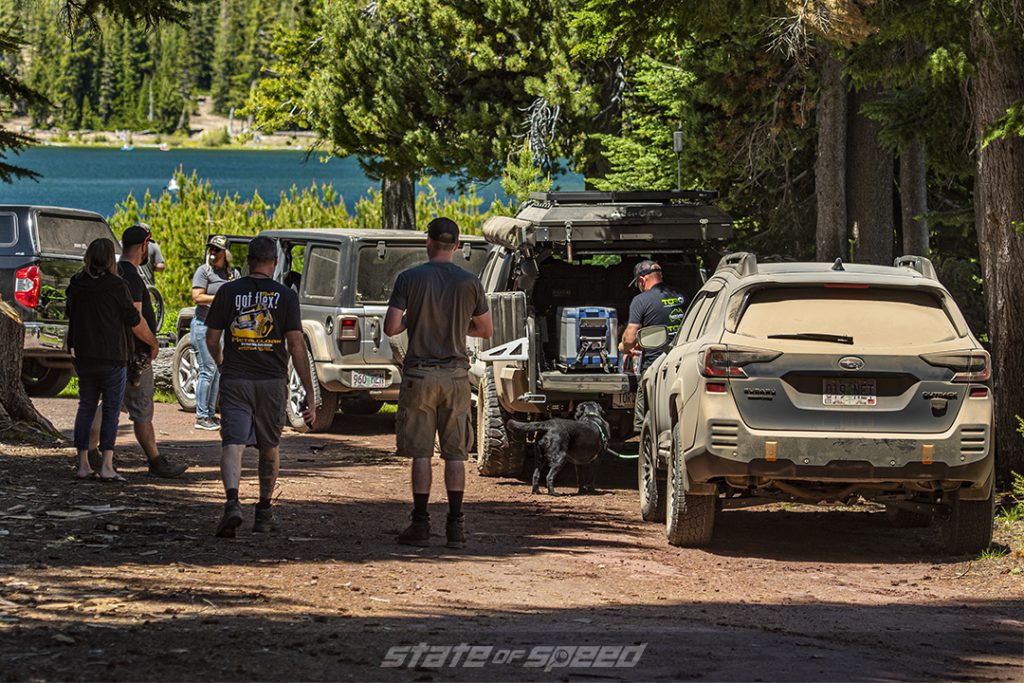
(218, 241)
(645, 267)
(137, 234)
(443, 230)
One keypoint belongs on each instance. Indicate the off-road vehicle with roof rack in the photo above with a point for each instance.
(557, 281)
(41, 247)
(819, 382)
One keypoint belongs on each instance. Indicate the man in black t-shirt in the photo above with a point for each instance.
(138, 395)
(656, 304)
(439, 304)
(264, 327)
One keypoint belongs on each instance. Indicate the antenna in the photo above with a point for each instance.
(677, 145)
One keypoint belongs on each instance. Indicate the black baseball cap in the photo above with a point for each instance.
(137, 234)
(645, 267)
(443, 230)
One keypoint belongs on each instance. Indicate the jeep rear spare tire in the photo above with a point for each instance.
(689, 519)
(497, 456)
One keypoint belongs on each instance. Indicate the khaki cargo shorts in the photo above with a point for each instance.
(434, 401)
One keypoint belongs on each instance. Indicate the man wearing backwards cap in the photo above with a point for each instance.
(656, 304)
(439, 304)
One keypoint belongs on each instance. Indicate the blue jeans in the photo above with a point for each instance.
(96, 382)
(208, 381)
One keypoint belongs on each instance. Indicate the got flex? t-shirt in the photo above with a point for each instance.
(255, 314)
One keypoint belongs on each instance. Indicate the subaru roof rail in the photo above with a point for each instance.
(743, 263)
(621, 197)
(918, 263)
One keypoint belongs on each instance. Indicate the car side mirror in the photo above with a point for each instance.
(652, 337)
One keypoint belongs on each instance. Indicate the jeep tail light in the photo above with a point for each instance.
(26, 286)
(348, 329)
(729, 361)
(973, 365)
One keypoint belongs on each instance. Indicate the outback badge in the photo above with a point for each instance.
(851, 363)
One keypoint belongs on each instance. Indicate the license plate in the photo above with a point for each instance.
(848, 392)
(369, 380)
(624, 400)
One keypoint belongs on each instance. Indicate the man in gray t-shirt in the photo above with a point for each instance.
(439, 305)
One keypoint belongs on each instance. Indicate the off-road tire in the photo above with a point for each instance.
(157, 300)
(968, 529)
(185, 373)
(905, 519)
(689, 519)
(326, 401)
(650, 482)
(44, 382)
(359, 406)
(498, 457)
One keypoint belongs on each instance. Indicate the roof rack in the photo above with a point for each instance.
(743, 263)
(918, 263)
(620, 197)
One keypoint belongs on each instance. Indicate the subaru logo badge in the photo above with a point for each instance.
(851, 363)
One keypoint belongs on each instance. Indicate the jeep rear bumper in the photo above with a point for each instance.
(340, 378)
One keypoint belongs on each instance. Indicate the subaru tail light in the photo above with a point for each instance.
(972, 365)
(26, 286)
(729, 361)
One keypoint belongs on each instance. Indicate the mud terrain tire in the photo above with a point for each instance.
(498, 457)
(650, 482)
(968, 529)
(689, 519)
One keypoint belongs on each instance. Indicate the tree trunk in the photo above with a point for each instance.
(830, 164)
(869, 187)
(998, 212)
(399, 197)
(914, 199)
(17, 414)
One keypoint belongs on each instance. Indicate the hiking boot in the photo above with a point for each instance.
(207, 423)
(161, 467)
(455, 531)
(231, 520)
(417, 533)
(95, 459)
(266, 520)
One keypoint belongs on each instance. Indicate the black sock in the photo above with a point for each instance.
(455, 503)
(419, 505)
(232, 494)
(263, 504)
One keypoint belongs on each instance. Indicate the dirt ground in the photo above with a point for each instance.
(126, 582)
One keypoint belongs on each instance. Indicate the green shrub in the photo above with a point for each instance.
(215, 138)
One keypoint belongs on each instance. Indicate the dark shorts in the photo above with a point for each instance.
(434, 401)
(252, 411)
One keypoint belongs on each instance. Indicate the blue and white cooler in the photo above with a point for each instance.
(588, 338)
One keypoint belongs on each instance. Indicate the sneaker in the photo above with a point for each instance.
(95, 459)
(266, 520)
(207, 423)
(455, 531)
(231, 520)
(417, 533)
(162, 468)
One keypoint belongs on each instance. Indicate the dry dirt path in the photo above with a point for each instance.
(142, 591)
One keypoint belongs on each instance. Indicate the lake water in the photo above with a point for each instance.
(98, 178)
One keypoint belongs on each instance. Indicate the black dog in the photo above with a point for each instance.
(581, 441)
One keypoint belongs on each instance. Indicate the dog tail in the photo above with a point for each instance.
(517, 427)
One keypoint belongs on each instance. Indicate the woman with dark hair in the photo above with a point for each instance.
(101, 320)
(207, 279)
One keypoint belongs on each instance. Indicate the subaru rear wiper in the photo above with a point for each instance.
(815, 336)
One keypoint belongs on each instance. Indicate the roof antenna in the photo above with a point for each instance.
(677, 145)
(838, 265)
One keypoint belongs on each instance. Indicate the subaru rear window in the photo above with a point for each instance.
(8, 229)
(70, 235)
(870, 317)
(376, 273)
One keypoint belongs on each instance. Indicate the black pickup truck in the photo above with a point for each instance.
(41, 247)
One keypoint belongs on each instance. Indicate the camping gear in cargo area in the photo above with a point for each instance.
(588, 339)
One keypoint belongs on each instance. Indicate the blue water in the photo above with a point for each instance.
(98, 178)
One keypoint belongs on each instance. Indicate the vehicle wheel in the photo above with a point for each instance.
(497, 456)
(44, 382)
(185, 373)
(359, 406)
(649, 481)
(905, 519)
(689, 519)
(326, 401)
(969, 526)
(158, 306)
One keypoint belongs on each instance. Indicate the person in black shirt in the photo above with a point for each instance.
(656, 304)
(264, 327)
(102, 321)
(138, 398)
